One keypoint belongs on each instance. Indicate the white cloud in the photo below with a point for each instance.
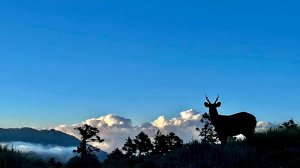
(115, 129)
(109, 120)
(190, 115)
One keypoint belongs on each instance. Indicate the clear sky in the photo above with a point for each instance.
(66, 61)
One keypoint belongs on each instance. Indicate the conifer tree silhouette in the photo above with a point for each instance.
(173, 141)
(207, 132)
(115, 154)
(160, 143)
(88, 134)
(129, 147)
(143, 143)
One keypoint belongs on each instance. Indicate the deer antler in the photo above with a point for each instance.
(207, 99)
(217, 99)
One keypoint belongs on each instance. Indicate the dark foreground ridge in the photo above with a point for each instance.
(276, 147)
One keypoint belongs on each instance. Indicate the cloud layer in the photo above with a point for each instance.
(115, 129)
(61, 153)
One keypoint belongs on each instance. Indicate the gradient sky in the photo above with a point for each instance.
(66, 61)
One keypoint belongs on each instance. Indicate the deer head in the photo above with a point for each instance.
(212, 106)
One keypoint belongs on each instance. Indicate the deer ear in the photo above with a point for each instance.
(206, 104)
(218, 104)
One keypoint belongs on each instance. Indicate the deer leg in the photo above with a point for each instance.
(249, 136)
(223, 140)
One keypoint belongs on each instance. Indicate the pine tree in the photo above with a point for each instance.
(173, 141)
(207, 132)
(115, 154)
(88, 134)
(143, 143)
(160, 143)
(129, 147)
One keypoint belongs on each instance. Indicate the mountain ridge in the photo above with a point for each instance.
(44, 137)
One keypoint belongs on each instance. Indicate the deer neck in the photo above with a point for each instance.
(213, 113)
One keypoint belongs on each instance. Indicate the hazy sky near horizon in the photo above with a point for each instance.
(62, 62)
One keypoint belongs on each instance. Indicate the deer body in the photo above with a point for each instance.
(225, 126)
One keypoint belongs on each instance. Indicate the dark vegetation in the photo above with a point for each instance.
(88, 134)
(207, 132)
(10, 158)
(141, 152)
(276, 147)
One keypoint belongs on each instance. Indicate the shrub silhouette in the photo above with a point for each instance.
(148, 163)
(277, 139)
(86, 161)
(52, 163)
(290, 124)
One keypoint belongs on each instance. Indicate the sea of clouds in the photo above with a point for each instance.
(60, 153)
(115, 129)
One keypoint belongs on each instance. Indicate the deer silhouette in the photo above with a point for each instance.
(225, 126)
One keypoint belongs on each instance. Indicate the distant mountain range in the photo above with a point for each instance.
(44, 137)
(43, 143)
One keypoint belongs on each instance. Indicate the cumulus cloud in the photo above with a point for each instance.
(184, 126)
(109, 120)
(115, 129)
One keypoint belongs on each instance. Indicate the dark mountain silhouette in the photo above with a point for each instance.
(44, 137)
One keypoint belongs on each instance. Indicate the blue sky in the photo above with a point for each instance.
(66, 61)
